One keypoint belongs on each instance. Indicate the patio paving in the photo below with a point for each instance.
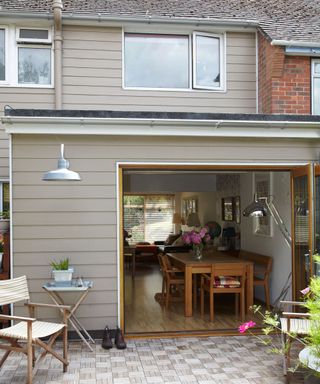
(219, 360)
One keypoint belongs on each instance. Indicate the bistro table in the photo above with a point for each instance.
(54, 290)
(187, 263)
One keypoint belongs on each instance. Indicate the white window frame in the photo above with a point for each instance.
(191, 88)
(12, 43)
(2, 181)
(33, 40)
(221, 61)
(6, 55)
(314, 76)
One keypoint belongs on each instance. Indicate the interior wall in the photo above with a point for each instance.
(275, 245)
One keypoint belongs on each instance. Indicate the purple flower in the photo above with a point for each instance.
(196, 238)
(203, 232)
(186, 238)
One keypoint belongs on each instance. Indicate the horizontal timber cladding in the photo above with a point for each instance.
(52, 221)
(92, 76)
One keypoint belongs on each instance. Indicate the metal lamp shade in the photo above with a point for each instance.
(256, 209)
(62, 173)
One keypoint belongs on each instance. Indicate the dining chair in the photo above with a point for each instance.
(292, 323)
(171, 277)
(224, 278)
(28, 333)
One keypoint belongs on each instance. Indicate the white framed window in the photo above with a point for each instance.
(4, 196)
(316, 87)
(26, 57)
(174, 61)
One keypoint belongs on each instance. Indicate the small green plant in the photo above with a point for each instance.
(5, 215)
(62, 265)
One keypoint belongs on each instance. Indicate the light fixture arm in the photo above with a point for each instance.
(277, 218)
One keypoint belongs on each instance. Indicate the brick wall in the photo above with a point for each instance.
(284, 81)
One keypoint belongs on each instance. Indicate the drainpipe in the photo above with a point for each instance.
(57, 39)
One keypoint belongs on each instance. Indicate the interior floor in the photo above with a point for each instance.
(145, 314)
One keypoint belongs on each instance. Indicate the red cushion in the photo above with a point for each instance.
(225, 282)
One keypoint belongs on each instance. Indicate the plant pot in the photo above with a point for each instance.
(62, 275)
(4, 225)
(312, 375)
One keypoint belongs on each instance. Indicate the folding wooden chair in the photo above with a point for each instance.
(295, 323)
(26, 335)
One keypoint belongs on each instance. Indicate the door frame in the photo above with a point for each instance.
(192, 166)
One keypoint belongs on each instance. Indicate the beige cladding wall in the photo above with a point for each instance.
(92, 77)
(79, 220)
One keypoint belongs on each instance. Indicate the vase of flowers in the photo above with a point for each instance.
(198, 239)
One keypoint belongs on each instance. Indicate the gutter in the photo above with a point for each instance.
(161, 127)
(98, 17)
(57, 38)
(296, 43)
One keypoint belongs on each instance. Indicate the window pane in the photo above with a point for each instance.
(317, 68)
(34, 34)
(156, 61)
(34, 66)
(316, 95)
(207, 61)
(2, 55)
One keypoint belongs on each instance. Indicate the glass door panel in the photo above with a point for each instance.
(317, 215)
(302, 219)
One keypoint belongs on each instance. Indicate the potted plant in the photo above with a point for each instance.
(4, 221)
(61, 271)
(198, 239)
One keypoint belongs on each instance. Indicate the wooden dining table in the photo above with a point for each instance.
(187, 263)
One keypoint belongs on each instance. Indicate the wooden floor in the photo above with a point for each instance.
(144, 314)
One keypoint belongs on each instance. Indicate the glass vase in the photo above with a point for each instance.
(197, 251)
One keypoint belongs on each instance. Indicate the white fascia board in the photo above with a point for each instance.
(311, 44)
(161, 127)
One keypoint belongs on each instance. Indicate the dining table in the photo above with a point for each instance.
(187, 263)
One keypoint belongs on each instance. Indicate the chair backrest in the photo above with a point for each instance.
(166, 265)
(14, 290)
(229, 269)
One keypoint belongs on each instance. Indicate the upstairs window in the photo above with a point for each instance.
(316, 87)
(163, 61)
(34, 56)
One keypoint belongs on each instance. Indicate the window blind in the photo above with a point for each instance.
(149, 217)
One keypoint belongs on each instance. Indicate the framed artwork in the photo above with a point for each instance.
(237, 209)
(189, 205)
(263, 188)
(227, 209)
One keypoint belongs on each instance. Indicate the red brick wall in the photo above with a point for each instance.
(284, 81)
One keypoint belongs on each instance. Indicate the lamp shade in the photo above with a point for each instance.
(62, 173)
(256, 209)
(193, 220)
(176, 219)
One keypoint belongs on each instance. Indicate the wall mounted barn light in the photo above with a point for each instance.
(62, 173)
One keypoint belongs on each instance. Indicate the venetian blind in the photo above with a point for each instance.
(149, 217)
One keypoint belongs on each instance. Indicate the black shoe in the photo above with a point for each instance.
(106, 339)
(119, 340)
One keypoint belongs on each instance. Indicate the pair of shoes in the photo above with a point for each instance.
(119, 340)
(106, 339)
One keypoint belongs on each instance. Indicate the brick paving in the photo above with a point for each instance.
(208, 360)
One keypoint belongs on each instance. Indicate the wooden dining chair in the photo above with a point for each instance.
(29, 330)
(172, 277)
(224, 278)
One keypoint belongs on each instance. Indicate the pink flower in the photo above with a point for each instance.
(245, 326)
(305, 291)
(186, 238)
(196, 238)
(203, 232)
(207, 238)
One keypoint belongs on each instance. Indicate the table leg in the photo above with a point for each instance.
(188, 291)
(133, 263)
(249, 286)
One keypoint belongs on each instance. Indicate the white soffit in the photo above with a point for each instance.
(161, 127)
